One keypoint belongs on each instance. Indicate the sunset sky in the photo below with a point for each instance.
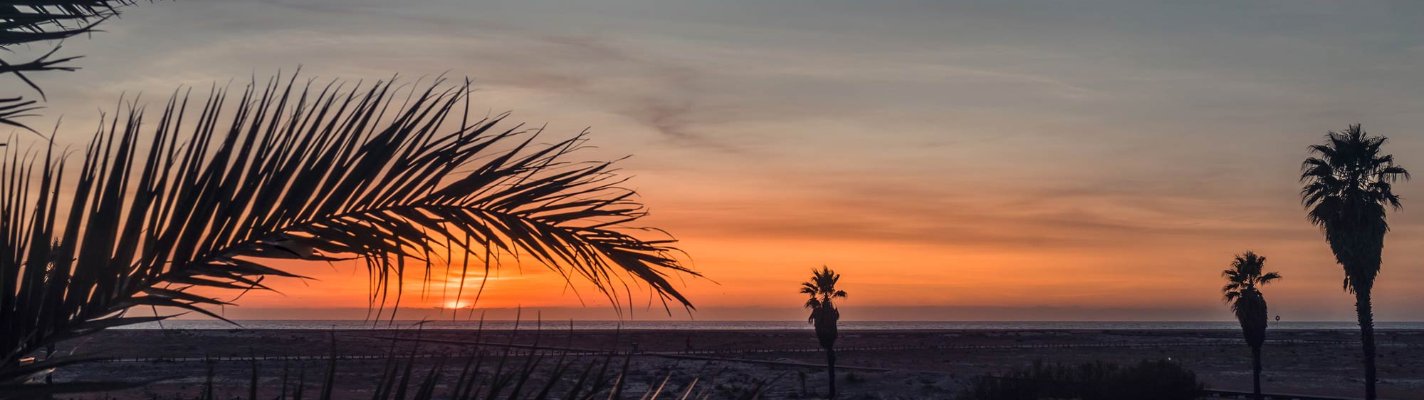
(975, 160)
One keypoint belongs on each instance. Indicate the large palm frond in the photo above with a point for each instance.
(1347, 184)
(206, 195)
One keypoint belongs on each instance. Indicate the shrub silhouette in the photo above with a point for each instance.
(1154, 379)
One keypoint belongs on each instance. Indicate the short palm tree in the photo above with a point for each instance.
(166, 211)
(1347, 188)
(822, 292)
(1243, 292)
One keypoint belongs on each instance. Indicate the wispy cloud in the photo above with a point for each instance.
(944, 141)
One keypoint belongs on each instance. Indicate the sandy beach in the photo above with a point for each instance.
(874, 364)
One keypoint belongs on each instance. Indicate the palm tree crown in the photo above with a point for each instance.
(1244, 280)
(822, 289)
(1347, 185)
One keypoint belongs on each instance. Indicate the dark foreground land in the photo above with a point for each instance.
(874, 364)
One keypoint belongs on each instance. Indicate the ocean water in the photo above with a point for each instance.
(764, 325)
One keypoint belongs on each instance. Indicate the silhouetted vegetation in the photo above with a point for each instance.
(295, 172)
(1348, 185)
(298, 172)
(169, 213)
(1159, 380)
(476, 371)
(306, 172)
(822, 292)
(27, 22)
(1243, 293)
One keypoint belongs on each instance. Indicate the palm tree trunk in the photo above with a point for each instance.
(831, 371)
(1365, 312)
(1256, 371)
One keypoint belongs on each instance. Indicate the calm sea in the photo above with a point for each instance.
(767, 325)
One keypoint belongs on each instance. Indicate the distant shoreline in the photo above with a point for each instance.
(935, 363)
(850, 326)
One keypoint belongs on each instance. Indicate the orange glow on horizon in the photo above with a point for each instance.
(1151, 270)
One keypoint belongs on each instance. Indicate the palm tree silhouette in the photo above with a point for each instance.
(1347, 184)
(1243, 293)
(822, 291)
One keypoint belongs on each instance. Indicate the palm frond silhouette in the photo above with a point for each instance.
(26, 22)
(208, 194)
(1243, 293)
(1348, 183)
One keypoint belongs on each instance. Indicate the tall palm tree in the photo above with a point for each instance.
(822, 292)
(1347, 186)
(1243, 292)
(163, 211)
